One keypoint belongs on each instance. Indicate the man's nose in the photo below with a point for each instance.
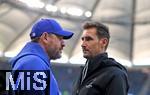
(83, 43)
(63, 43)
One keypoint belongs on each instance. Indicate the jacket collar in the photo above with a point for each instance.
(100, 56)
(97, 59)
(96, 62)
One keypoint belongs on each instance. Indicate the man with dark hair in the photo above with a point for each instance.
(47, 42)
(101, 75)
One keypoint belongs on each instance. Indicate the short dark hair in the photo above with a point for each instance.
(36, 39)
(101, 29)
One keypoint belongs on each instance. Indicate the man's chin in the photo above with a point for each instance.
(85, 56)
(56, 57)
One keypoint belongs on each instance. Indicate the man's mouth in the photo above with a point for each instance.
(84, 50)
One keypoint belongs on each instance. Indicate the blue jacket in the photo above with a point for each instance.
(33, 57)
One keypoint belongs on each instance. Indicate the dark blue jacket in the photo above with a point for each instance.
(104, 76)
(33, 57)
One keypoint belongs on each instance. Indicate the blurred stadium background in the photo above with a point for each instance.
(128, 20)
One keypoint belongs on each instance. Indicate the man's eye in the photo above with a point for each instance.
(88, 38)
(59, 37)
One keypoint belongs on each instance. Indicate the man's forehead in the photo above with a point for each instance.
(88, 36)
(87, 33)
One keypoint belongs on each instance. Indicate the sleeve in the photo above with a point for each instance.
(117, 86)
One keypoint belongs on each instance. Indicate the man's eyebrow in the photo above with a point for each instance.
(86, 37)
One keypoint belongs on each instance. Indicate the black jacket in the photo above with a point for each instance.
(104, 76)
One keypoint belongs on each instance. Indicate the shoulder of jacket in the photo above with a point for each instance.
(30, 62)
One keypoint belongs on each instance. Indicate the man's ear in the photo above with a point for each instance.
(44, 37)
(104, 42)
